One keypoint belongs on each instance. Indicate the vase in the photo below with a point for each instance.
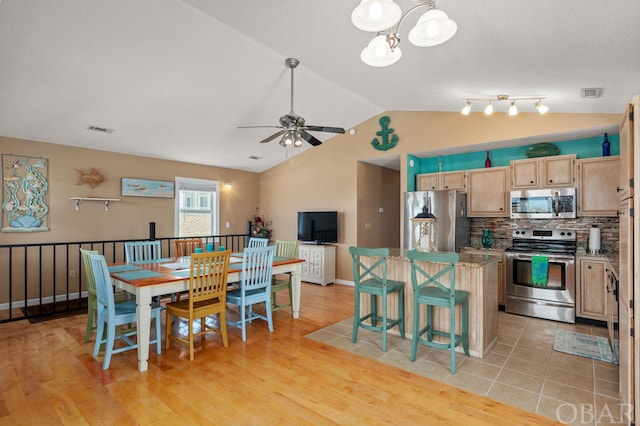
(487, 239)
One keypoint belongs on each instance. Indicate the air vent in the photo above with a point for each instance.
(100, 129)
(253, 157)
(594, 92)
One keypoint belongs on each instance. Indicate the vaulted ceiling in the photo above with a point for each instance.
(175, 78)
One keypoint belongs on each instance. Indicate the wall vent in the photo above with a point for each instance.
(253, 157)
(100, 129)
(593, 92)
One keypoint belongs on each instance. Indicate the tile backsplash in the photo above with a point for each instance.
(501, 230)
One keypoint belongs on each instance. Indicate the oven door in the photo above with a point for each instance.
(555, 300)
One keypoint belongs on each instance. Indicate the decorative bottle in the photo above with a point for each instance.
(487, 162)
(487, 239)
(606, 146)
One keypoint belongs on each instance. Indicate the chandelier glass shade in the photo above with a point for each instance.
(385, 17)
(513, 108)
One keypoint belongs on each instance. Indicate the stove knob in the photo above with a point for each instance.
(568, 234)
(562, 233)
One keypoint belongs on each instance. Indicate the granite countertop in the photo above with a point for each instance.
(466, 259)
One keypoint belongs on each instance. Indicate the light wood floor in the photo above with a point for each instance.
(48, 376)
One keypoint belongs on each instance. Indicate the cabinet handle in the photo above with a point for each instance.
(550, 180)
(530, 181)
(589, 267)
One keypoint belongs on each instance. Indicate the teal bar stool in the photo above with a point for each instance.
(429, 290)
(373, 280)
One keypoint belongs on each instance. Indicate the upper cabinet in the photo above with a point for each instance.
(598, 180)
(544, 172)
(442, 180)
(625, 188)
(487, 192)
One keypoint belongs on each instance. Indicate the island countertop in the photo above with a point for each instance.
(473, 260)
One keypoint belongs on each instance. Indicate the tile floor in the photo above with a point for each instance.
(521, 370)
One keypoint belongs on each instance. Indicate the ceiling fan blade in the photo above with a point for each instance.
(310, 138)
(259, 127)
(325, 129)
(273, 136)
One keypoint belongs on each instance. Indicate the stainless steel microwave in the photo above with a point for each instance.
(551, 203)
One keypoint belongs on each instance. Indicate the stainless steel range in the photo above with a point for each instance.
(555, 298)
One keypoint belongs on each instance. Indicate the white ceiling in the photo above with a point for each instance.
(175, 79)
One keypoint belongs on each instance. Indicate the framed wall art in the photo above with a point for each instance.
(25, 193)
(147, 188)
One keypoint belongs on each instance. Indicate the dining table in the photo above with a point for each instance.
(149, 278)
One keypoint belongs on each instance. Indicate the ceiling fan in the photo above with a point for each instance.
(293, 127)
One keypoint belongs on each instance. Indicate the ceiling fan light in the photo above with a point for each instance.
(379, 54)
(542, 109)
(513, 109)
(297, 141)
(488, 110)
(376, 15)
(433, 28)
(466, 109)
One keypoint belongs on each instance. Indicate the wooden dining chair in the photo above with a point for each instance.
(285, 250)
(438, 289)
(207, 296)
(258, 242)
(184, 247)
(111, 315)
(370, 277)
(255, 287)
(138, 251)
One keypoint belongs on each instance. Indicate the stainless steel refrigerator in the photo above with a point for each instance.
(449, 207)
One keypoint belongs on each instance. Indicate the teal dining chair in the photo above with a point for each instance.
(254, 288)
(112, 315)
(258, 242)
(370, 277)
(433, 290)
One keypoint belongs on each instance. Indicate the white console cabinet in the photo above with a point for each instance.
(319, 265)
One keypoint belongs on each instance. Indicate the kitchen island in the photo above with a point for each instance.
(475, 273)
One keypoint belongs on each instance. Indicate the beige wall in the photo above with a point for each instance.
(325, 177)
(130, 217)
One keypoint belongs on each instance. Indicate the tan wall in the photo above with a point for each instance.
(130, 217)
(325, 177)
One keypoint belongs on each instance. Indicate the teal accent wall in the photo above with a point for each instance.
(583, 148)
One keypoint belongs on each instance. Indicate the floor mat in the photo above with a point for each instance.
(585, 345)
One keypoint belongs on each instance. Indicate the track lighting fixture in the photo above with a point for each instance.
(385, 17)
(513, 109)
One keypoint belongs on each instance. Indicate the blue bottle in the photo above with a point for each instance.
(606, 146)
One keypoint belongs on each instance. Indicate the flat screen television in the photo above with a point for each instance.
(318, 227)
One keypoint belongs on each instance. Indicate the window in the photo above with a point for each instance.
(197, 207)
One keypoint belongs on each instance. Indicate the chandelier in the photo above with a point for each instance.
(513, 109)
(385, 17)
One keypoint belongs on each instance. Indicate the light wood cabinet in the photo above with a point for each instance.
(441, 181)
(598, 180)
(592, 288)
(487, 192)
(319, 265)
(544, 172)
(501, 277)
(625, 188)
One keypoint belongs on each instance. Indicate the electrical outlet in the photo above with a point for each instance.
(227, 224)
(72, 273)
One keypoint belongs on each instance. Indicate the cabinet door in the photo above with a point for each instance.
(598, 180)
(427, 182)
(626, 155)
(487, 192)
(524, 174)
(558, 171)
(452, 180)
(592, 300)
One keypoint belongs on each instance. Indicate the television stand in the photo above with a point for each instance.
(320, 263)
